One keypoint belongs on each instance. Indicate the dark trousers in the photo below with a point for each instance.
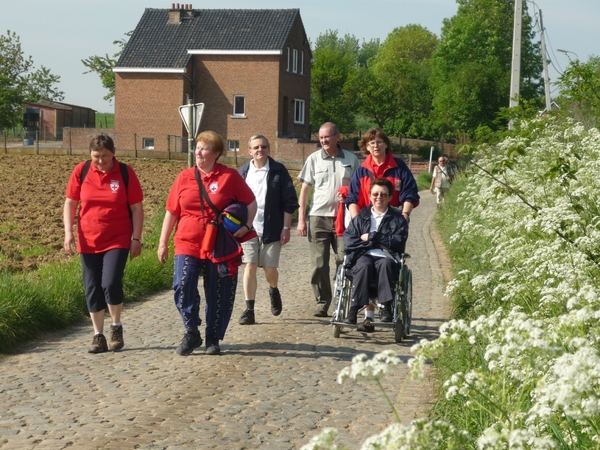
(367, 268)
(103, 278)
(219, 292)
(322, 237)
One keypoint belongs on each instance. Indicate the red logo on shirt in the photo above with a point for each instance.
(212, 187)
(114, 186)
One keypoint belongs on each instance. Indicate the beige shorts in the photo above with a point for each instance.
(266, 255)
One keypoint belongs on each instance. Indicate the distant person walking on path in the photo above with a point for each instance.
(443, 176)
(223, 186)
(325, 171)
(276, 201)
(109, 228)
(404, 195)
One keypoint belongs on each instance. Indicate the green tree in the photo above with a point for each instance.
(472, 65)
(368, 50)
(580, 90)
(333, 98)
(394, 88)
(41, 86)
(19, 83)
(103, 66)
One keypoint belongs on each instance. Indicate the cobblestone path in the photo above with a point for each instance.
(273, 387)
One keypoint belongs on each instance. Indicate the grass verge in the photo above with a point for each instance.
(53, 298)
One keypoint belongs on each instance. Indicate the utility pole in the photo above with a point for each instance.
(545, 62)
(515, 74)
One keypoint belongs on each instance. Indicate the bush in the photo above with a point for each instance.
(424, 180)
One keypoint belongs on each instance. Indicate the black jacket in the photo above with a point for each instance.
(281, 197)
(391, 235)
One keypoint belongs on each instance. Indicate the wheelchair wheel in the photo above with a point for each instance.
(399, 330)
(407, 303)
(400, 319)
(336, 331)
(342, 298)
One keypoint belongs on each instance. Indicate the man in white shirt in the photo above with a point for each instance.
(276, 200)
(325, 171)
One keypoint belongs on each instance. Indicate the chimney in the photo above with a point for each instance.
(179, 12)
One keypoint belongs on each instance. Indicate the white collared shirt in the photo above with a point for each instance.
(256, 179)
(375, 222)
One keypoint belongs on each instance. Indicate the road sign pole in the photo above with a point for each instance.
(190, 111)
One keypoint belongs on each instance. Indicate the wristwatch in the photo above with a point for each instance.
(286, 228)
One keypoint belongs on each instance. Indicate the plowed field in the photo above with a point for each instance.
(33, 195)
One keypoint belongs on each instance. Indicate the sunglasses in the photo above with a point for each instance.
(379, 194)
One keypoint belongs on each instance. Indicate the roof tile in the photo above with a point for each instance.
(155, 43)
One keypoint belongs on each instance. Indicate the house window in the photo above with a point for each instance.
(239, 105)
(298, 111)
(233, 146)
(148, 143)
(287, 69)
(295, 62)
(302, 63)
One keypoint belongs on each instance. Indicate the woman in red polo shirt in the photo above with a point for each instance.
(109, 228)
(223, 186)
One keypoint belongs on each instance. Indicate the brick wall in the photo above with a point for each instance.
(220, 78)
(147, 106)
(294, 85)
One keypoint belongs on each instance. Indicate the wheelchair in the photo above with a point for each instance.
(401, 304)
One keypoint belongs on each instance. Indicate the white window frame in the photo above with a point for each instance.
(299, 111)
(302, 62)
(148, 143)
(233, 145)
(235, 112)
(295, 62)
(287, 69)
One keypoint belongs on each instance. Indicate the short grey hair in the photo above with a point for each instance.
(331, 125)
(258, 136)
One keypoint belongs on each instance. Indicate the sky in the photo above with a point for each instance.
(58, 34)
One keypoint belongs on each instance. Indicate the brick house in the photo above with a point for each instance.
(250, 68)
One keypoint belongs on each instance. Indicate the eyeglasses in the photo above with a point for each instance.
(379, 194)
(376, 143)
(256, 147)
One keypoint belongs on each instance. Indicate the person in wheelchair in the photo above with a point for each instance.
(374, 241)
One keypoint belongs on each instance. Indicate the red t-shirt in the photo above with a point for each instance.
(103, 221)
(223, 185)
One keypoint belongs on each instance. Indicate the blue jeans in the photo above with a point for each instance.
(220, 283)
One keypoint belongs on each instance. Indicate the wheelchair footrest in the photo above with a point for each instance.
(375, 324)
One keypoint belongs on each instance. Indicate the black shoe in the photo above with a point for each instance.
(191, 340)
(212, 346)
(247, 318)
(321, 311)
(366, 326)
(352, 316)
(385, 312)
(275, 300)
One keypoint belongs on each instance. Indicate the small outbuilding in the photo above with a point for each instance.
(49, 118)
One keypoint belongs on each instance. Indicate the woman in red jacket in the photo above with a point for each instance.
(109, 228)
